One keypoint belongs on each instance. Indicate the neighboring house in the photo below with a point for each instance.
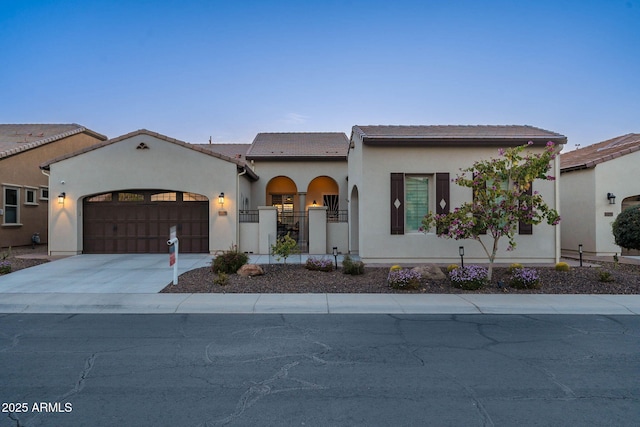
(365, 196)
(591, 176)
(25, 194)
(399, 173)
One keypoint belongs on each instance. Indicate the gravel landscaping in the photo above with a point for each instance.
(280, 278)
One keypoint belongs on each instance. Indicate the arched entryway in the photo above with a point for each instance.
(354, 221)
(627, 203)
(282, 193)
(138, 221)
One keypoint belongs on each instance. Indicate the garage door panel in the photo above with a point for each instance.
(140, 226)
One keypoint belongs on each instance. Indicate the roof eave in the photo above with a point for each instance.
(461, 142)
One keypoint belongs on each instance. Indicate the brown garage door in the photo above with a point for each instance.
(138, 221)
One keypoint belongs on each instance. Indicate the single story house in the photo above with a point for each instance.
(24, 196)
(323, 189)
(597, 183)
(398, 173)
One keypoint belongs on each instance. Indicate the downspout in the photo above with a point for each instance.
(244, 171)
(556, 166)
(45, 173)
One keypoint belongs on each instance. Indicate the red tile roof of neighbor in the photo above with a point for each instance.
(299, 145)
(590, 156)
(16, 138)
(457, 134)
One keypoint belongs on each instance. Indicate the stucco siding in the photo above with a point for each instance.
(22, 170)
(577, 208)
(121, 166)
(619, 176)
(376, 242)
(587, 215)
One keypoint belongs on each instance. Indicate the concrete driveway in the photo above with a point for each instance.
(127, 273)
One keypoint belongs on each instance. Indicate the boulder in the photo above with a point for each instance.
(250, 270)
(430, 272)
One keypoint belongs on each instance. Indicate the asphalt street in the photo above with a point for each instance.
(319, 370)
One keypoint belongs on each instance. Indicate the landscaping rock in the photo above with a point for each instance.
(430, 272)
(250, 270)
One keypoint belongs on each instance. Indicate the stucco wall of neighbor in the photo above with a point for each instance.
(121, 166)
(619, 176)
(584, 203)
(378, 245)
(577, 209)
(302, 173)
(23, 170)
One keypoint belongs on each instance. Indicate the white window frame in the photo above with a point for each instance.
(34, 192)
(16, 188)
(430, 195)
(42, 192)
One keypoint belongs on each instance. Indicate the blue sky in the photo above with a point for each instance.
(230, 69)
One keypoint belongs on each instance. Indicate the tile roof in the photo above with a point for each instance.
(590, 156)
(453, 133)
(15, 138)
(234, 151)
(299, 145)
(196, 147)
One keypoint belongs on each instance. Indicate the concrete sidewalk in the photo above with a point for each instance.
(319, 303)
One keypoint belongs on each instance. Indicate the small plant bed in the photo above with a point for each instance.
(295, 278)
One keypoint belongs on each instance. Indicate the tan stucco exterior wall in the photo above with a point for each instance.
(376, 244)
(22, 171)
(586, 212)
(121, 166)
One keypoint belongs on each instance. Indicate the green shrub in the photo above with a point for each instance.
(5, 267)
(319, 264)
(352, 267)
(525, 278)
(404, 279)
(284, 247)
(229, 261)
(513, 267)
(451, 267)
(470, 278)
(626, 228)
(222, 279)
(562, 266)
(605, 276)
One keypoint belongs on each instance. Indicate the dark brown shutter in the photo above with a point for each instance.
(442, 193)
(524, 228)
(397, 203)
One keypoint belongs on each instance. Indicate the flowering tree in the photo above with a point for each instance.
(501, 199)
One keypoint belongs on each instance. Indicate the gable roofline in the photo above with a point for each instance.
(592, 155)
(241, 165)
(454, 135)
(53, 138)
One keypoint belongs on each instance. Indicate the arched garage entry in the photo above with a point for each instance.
(138, 221)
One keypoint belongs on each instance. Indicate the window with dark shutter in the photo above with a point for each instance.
(442, 193)
(397, 203)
